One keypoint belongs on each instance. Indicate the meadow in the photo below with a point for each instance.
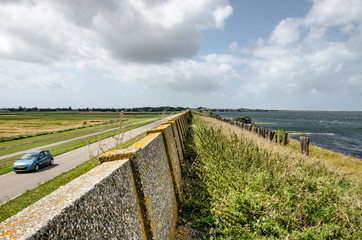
(54, 127)
(240, 186)
(31, 123)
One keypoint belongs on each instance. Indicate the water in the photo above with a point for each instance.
(337, 131)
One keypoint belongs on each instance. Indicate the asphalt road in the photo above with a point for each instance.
(13, 185)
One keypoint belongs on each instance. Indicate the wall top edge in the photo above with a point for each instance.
(144, 141)
(117, 155)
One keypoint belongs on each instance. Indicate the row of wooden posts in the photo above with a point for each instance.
(271, 135)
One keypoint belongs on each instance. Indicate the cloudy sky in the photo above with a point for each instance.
(270, 54)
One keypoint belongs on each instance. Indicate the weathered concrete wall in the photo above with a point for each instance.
(151, 166)
(178, 139)
(96, 204)
(133, 194)
(172, 154)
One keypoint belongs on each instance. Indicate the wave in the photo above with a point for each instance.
(314, 133)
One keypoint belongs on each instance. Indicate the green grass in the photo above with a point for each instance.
(25, 123)
(6, 164)
(350, 166)
(8, 147)
(240, 187)
(17, 204)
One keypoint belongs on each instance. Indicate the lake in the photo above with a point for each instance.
(337, 131)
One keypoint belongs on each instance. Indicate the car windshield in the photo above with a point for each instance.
(29, 156)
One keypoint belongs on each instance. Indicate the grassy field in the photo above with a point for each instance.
(7, 147)
(24, 123)
(7, 163)
(17, 204)
(239, 186)
(29, 123)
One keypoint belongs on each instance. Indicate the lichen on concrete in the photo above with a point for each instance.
(99, 204)
(157, 186)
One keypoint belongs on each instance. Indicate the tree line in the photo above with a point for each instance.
(138, 109)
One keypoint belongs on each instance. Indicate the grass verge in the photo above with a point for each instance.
(239, 186)
(17, 204)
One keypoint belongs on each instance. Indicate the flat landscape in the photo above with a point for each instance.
(30, 187)
(27, 123)
(70, 129)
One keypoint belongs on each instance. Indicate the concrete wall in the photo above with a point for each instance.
(133, 194)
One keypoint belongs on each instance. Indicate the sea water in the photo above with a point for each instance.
(337, 131)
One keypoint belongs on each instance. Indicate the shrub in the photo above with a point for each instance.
(243, 119)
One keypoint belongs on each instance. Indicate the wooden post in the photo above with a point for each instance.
(271, 135)
(285, 139)
(304, 145)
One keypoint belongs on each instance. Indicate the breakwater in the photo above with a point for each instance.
(133, 194)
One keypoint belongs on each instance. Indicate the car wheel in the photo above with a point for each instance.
(36, 168)
(51, 161)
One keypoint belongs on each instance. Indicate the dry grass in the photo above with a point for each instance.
(349, 166)
(33, 126)
(240, 186)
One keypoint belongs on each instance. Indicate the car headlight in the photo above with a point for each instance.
(29, 164)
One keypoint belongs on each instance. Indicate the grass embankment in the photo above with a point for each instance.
(350, 167)
(239, 186)
(17, 204)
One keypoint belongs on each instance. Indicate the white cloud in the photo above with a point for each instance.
(233, 46)
(47, 45)
(334, 12)
(303, 57)
(286, 32)
(210, 75)
(130, 31)
(222, 13)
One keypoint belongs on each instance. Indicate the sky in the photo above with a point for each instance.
(265, 54)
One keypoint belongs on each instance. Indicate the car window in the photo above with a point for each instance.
(46, 153)
(29, 156)
(41, 155)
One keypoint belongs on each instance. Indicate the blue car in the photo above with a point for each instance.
(32, 161)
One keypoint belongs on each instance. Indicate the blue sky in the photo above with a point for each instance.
(268, 54)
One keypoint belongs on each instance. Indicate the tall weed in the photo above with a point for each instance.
(238, 190)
